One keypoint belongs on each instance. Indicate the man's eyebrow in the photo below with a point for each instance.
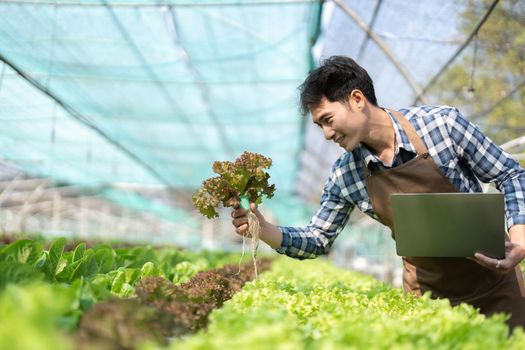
(323, 116)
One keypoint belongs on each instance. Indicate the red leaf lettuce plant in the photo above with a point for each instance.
(244, 177)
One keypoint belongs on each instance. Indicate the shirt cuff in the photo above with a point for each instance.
(516, 220)
(285, 243)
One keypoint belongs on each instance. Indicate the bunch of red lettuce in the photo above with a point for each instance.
(244, 177)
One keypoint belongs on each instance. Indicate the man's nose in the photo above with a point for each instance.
(328, 132)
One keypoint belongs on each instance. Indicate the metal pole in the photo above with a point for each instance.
(383, 46)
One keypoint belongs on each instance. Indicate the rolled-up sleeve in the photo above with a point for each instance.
(490, 164)
(317, 237)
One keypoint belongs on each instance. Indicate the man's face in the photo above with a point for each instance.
(345, 124)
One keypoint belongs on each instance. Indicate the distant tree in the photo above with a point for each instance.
(495, 97)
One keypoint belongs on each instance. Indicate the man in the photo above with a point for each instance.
(418, 149)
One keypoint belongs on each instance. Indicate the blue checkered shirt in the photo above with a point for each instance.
(462, 152)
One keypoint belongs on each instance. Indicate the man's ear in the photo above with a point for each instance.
(356, 99)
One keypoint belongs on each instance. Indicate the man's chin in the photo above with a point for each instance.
(348, 148)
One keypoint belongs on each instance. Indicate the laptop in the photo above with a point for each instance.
(449, 224)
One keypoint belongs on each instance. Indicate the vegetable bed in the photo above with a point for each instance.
(313, 305)
(109, 298)
(146, 298)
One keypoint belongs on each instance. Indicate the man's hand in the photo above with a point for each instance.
(240, 219)
(270, 234)
(514, 253)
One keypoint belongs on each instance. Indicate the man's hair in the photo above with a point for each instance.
(335, 79)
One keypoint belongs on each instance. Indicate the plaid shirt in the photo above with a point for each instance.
(461, 151)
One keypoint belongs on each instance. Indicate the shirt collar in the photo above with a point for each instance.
(402, 141)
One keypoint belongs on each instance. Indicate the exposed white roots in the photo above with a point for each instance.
(253, 233)
(242, 254)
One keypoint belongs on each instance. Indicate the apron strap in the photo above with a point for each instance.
(411, 133)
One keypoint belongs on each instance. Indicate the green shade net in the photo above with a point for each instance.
(152, 92)
(140, 204)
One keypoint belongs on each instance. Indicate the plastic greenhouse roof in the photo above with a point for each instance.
(422, 36)
(152, 92)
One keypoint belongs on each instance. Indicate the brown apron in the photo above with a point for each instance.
(458, 279)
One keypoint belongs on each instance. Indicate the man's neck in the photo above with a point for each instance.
(381, 136)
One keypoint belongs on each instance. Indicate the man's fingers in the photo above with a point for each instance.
(240, 221)
(491, 263)
(485, 260)
(242, 230)
(239, 212)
